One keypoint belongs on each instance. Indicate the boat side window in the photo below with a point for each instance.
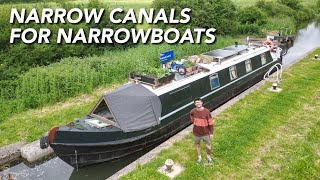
(214, 81)
(263, 59)
(103, 111)
(233, 72)
(248, 65)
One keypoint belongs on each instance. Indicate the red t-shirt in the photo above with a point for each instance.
(202, 122)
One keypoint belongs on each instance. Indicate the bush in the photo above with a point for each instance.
(288, 8)
(273, 9)
(218, 14)
(285, 24)
(293, 4)
(251, 15)
(305, 14)
(247, 29)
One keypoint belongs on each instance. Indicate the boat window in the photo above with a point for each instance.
(214, 81)
(103, 111)
(248, 65)
(233, 72)
(263, 59)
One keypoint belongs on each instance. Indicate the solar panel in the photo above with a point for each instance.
(226, 52)
(221, 53)
(239, 48)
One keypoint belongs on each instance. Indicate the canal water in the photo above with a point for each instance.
(306, 40)
(54, 168)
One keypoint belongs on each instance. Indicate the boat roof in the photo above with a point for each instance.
(226, 52)
(231, 55)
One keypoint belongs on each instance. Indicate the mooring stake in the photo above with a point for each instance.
(274, 86)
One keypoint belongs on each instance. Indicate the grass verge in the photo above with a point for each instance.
(264, 135)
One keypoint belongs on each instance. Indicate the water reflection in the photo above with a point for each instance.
(306, 40)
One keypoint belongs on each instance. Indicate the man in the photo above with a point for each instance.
(202, 128)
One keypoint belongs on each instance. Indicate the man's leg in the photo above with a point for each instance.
(197, 143)
(208, 148)
(207, 141)
(198, 150)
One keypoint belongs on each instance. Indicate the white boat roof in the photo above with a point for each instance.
(230, 59)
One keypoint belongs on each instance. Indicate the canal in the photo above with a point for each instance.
(54, 168)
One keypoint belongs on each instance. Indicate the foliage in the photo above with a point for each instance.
(250, 21)
(293, 4)
(188, 64)
(285, 24)
(218, 14)
(248, 29)
(305, 14)
(154, 72)
(251, 15)
(274, 9)
(283, 8)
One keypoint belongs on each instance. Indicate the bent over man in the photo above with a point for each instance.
(202, 128)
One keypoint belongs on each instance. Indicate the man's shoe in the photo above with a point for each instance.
(199, 161)
(210, 162)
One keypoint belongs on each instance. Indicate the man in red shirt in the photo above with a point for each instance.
(202, 128)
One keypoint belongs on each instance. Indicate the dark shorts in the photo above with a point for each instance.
(206, 139)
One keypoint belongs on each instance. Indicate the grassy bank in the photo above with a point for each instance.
(264, 135)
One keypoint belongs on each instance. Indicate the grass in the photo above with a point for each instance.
(265, 135)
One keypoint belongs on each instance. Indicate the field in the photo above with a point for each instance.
(266, 135)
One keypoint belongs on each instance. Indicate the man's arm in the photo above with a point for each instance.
(191, 115)
(210, 123)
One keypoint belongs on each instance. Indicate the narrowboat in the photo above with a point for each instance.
(138, 115)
